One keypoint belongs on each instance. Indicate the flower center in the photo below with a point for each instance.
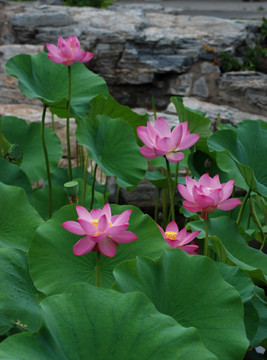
(95, 222)
(171, 235)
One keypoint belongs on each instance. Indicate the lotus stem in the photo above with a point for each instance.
(164, 207)
(170, 189)
(157, 206)
(241, 211)
(206, 240)
(68, 125)
(93, 188)
(175, 179)
(46, 160)
(53, 122)
(98, 263)
(85, 176)
(263, 243)
(255, 218)
(117, 195)
(105, 189)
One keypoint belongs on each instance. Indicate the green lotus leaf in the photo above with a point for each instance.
(248, 155)
(41, 78)
(17, 131)
(41, 200)
(110, 107)
(156, 178)
(251, 260)
(54, 267)
(18, 219)
(197, 123)
(88, 322)
(260, 337)
(11, 174)
(113, 146)
(239, 279)
(200, 163)
(191, 290)
(60, 176)
(19, 300)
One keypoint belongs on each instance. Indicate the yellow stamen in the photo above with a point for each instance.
(95, 222)
(171, 235)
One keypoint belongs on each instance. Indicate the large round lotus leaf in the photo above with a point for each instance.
(247, 146)
(12, 174)
(39, 77)
(110, 107)
(54, 267)
(5, 324)
(41, 200)
(239, 279)
(251, 260)
(91, 323)
(191, 290)
(261, 334)
(113, 146)
(18, 219)
(28, 136)
(19, 300)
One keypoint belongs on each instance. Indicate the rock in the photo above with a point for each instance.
(142, 51)
(227, 114)
(9, 90)
(245, 90)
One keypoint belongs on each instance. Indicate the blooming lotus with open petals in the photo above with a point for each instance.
(207, 194)
(68, 51)
(179, 239)
(161, 141)
(103, 231)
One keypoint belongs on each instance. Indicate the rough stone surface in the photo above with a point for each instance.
(9, 90)
(244, 90)
(227, 114)
(141, 50)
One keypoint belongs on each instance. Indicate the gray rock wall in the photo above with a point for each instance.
(143, 51)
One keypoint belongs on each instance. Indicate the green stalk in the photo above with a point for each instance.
(157, 206)
(255, 218)
(176, 178)
(117, 195)
(263, 243)
(93, 188)
(98, 261)
(46, 160)
(241, 211)
(170, 189)
(68, 125)
(53, 121)
(105, 190)
(206, 240)
(164, 207)
(85, 176)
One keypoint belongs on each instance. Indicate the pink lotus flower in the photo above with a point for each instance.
(68, 51)
(178, 239)
(160, 140)
(207, 194)
(103, 231)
